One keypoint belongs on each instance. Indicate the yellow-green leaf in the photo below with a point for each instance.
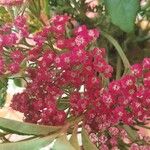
(87, 144)
(34, 144)
(133, 135)
(74, 141)
(63, 144)
(26, 128)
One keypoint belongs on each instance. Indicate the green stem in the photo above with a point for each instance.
(118, 68)
(142, 39)
(143, 126)
(118, 48)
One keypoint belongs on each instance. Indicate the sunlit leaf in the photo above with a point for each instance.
(63, 144)
(87, 144)
(4, 15)
(26, 128)
(74, 141)
(34, 144)
(133, 135)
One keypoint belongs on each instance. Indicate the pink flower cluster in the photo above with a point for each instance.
(62, 65)
(68, 65)
(116, 138)
(125, 101)
(66, 72)
(11, 36)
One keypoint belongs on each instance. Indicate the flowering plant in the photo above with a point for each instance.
(70, 87)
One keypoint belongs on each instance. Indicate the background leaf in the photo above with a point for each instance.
(123, 13)
(62, 144)
(87, 144)
(26, 128)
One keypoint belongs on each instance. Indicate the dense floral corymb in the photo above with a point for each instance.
(67, 74)
(62, 65)
(69, 66)
(127, 99)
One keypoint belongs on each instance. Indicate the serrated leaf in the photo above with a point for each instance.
(62, 144)
(133, 135)
(26, 128)
(34, 144)
(87, 144)
(123, 13)
(74, 141)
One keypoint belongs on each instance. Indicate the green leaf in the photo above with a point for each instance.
(122, 145)
(4, 15)
(34, 7)
(18, 82)
(1, 85)
(46, 7)
(63, 106)
(74, 140)
(34, 144)
(3, 93)
(34, 24)
(123, 13)
(26, 128)
(133, 135)
(63, 103)
(62, 144)
(2, 10)
(87, 144)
